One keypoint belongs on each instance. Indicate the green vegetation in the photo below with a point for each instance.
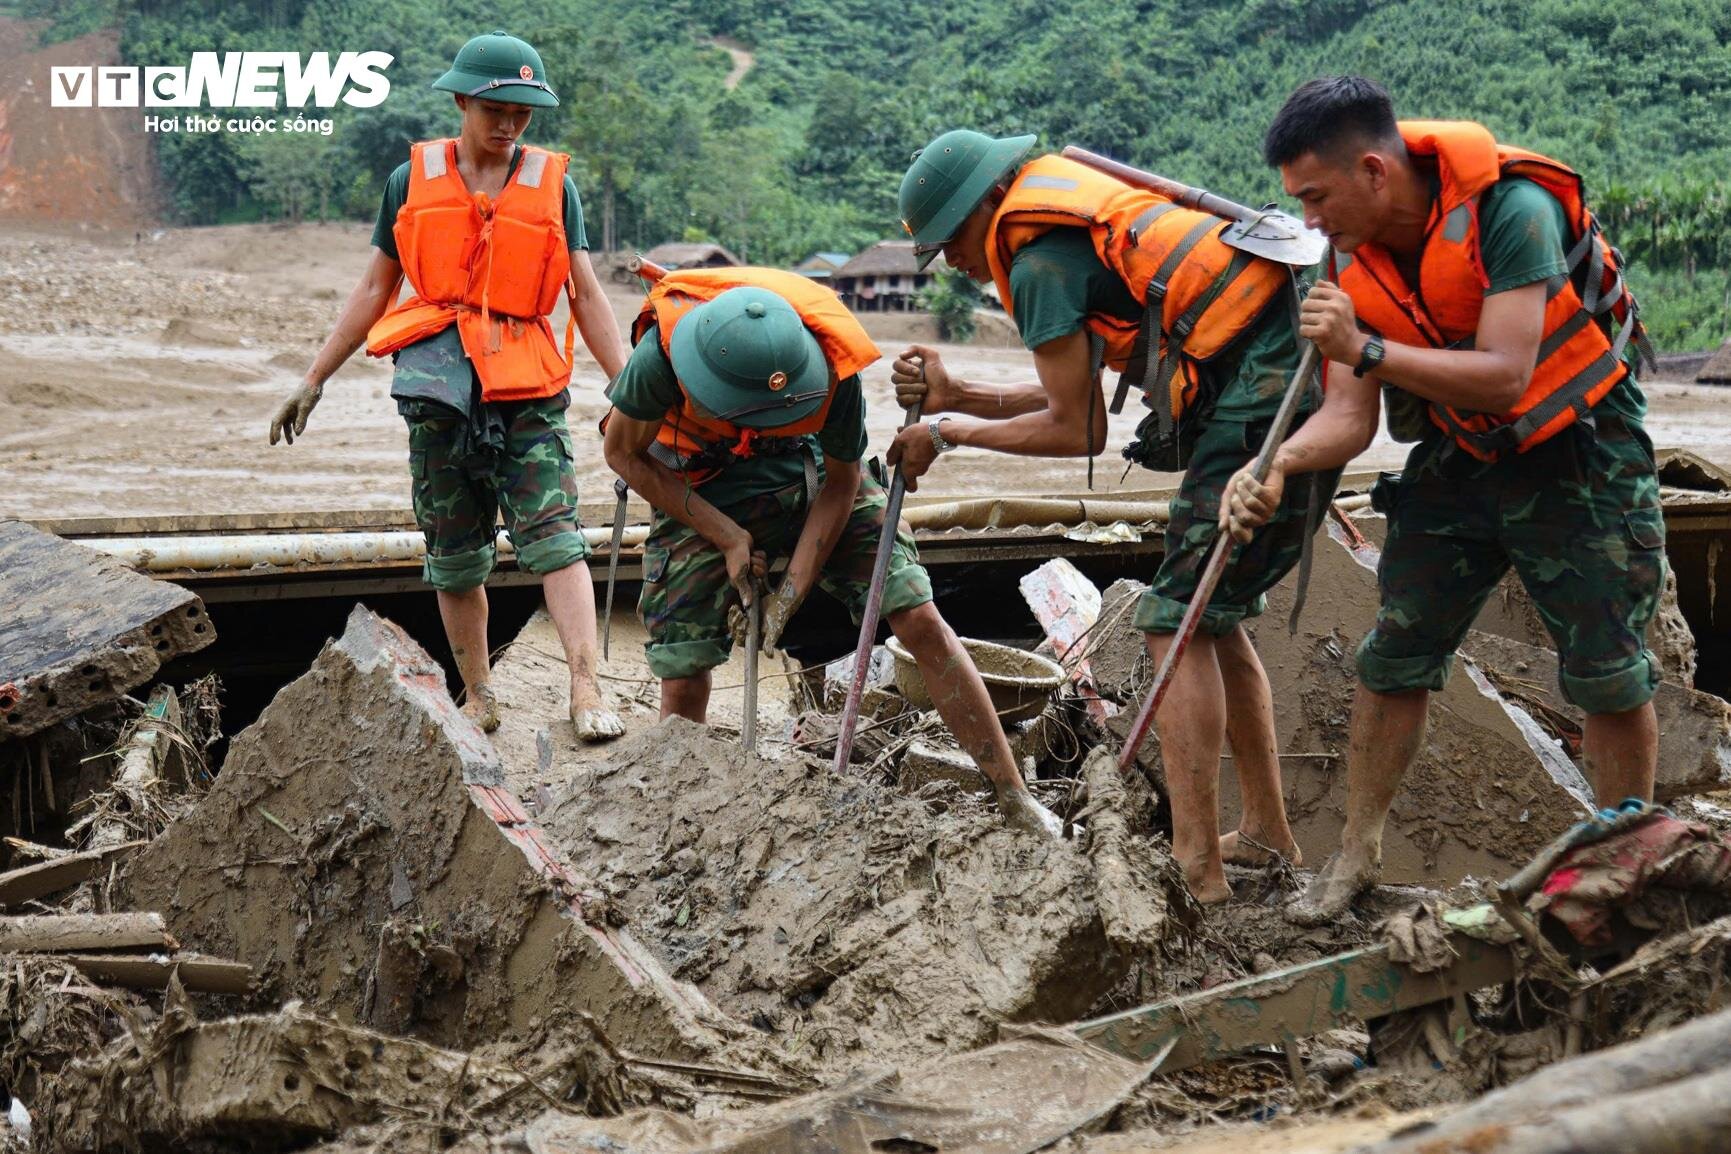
(951, 298)
(807, 151)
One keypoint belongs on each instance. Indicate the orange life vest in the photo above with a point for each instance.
(494, 267)
(1579, 360)
(1200, 295)
(700, 444)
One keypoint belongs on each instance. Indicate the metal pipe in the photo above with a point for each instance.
(283, 550)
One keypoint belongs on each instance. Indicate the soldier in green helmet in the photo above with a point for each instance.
(1093, 271)
(740, 418)
(489, 233)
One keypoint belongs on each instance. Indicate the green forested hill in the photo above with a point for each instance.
(806, 151)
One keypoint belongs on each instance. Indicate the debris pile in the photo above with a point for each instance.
(375, 928)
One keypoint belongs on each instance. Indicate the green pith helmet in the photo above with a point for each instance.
(499, 67)
(746, 357)
(948, 179)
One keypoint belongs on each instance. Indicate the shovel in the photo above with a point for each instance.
(1217, 558)
(1264, 232)
(753, 639)
(868, 626)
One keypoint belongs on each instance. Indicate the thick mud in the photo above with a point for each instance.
(850, 921)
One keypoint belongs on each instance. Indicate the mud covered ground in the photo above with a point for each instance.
(137, 376)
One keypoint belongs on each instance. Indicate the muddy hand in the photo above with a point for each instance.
(921, 379)
(745, 567)
(777, 608)
(1328, 321)
(1249, 504)
(290, 419)
(914, 452)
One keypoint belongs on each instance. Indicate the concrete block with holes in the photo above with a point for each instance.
(79, 628)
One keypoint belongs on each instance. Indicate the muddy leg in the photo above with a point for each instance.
(1192, 728)
(686, 697)
(966, 707)
(1255, 756)
(1622, 754)
(571, 603)
(1387, 733)
(465, 618)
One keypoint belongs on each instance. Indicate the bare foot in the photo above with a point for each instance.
(1023, 811)
(1207, 883)
(1340, 880)
(482, 708)
(595, 725)
(1241, 847)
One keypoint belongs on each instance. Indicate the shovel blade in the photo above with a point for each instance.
(1278, 237)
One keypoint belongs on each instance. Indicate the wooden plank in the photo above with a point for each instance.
(1293, 1003)
(198, 975)
(80, 629)
(61, 933)
(38, 881)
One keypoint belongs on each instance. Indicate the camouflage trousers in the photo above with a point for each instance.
(1577, 517)
(1222, 448)
(686, 593)
(458, 498)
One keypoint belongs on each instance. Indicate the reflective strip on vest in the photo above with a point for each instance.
(1056, 183)
(533, 166)
(433, 161)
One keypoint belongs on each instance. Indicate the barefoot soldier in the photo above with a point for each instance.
(741, 420)
(1474, 289)
(1083, 261)
(490, 234)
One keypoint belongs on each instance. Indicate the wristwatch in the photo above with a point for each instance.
(1371, 357)
(938, 442)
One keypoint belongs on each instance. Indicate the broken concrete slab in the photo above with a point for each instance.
(362, 795)
(922, 764)
(81, 629)
(1019, 1095)
(840, 916)
(1694, 727)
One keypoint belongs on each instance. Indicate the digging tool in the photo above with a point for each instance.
(868, 626)
(642, 266)
(1217, 558)
(652, 272)
(621, 493)
(753, 639)
(1265, 232)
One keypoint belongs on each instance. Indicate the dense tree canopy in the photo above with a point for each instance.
(805, 153)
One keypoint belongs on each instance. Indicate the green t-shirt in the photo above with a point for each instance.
(1057, 281)
(1523, 239)
(647, 390)
(397, 193)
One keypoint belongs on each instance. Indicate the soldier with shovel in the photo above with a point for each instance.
(1190, 308)
(740, 418)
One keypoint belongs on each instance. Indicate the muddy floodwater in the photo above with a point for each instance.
(138, 377)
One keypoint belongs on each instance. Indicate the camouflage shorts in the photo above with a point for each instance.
(458, 500)
(686, 594)
(1578, 518)
(1222, 448)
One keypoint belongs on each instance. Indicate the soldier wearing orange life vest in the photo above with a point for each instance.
(489, 233)
(1474, 291)
(740, 418)
(1097, 272)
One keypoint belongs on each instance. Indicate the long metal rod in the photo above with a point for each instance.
(868, 626)
(1217, 558)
